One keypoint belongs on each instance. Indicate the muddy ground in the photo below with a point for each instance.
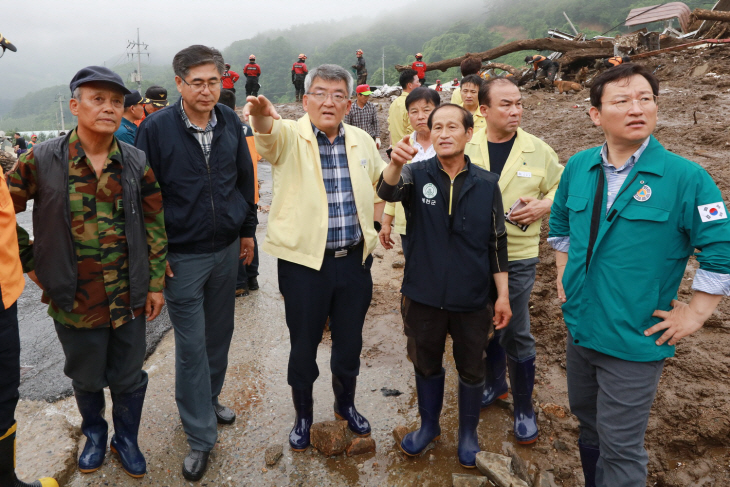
(689, 430)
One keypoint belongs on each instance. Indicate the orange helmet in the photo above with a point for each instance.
(438, 81)
(419, 55)
(302, 56)
(359, 51)
(252, 57)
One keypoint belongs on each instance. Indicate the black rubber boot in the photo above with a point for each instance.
(304, 408)
(127, 414)
(430, 401)
(7, 463)
(470, 400)
(495, 383)
(344, 389)
(522, 379)
(94, 427)
(589, 458)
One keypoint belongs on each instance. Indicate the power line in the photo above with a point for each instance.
(137, 44)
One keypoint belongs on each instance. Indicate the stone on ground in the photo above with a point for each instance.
(329, 437)
(273, 454)
(360, 446)
(498, 468)
(465, 480)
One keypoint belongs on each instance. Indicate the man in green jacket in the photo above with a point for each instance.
(626, 218)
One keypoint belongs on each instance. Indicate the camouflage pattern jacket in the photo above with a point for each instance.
(100, 243)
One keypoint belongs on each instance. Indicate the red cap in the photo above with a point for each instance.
(363, 90)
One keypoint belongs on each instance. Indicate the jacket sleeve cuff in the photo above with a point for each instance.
(711, 283)
(389, 209)
(157, 284)
(561, 244)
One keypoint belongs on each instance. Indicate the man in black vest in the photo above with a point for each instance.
(99, 256)
(455, 239)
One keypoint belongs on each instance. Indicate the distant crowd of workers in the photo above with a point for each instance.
(121, 229)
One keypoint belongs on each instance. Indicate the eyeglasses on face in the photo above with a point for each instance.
(624, 103)
(321, 96)
(200, 86)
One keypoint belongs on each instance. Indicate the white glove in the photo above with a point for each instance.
(377, 142)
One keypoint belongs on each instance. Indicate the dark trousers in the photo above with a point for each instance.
(426, 328)
(252, 86)
(245, 272)
(101, 357)
(299, 87)
(362, 79)
(612, 400)
(9, 366)
(341, 289)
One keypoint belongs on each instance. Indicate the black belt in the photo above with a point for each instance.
(343, 251)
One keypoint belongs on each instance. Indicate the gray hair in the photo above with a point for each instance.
(194, 56)
(330, 72)
(76, 95)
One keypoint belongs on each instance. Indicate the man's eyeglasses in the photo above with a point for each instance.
(624, 104)
(197, 87)
(321, 96)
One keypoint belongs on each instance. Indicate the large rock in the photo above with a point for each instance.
(498, 468)
(360, 446)
(519, 467)
(464, 480)
(329, 437)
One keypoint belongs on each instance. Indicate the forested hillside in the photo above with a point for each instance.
(438, 33)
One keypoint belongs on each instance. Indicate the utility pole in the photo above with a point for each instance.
(383, 65)
(60, 107)
(131, 45)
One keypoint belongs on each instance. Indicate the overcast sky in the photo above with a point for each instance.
(55, 39)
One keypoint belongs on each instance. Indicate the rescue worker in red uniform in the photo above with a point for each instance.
(541, 62)
(438, 86)
(360, 69)
(229, 78)
(252, 71)
(420, 67)
(298, 73)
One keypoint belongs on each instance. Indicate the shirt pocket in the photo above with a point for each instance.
(576, 203)
(645, 213)
(77, 202)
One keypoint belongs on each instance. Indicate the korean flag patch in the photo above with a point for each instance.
(712, 212)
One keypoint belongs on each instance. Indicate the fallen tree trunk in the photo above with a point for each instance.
(702, 14)
(543, 44)
(503, 67)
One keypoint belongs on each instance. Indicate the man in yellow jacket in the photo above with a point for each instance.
(528, 169)
(321, 229)
(399, 125)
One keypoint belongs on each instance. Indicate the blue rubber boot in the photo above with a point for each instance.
(304, 408)
(495, 383)
(344, 389)
(522, 379)
(470, 399)
(589, 458)
(127, 414)
(430, 393)
(94, 427)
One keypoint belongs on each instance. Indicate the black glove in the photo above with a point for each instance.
(377, 225)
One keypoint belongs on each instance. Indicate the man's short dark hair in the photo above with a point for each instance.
(470, 65)
(473, 79)
(228, 98)
(194, 56)
(622, 71)
(18, 134)
(406, 77)
(422, 93)
(467, 120)
(487, 86)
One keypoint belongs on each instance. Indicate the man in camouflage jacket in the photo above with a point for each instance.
(99, 256)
